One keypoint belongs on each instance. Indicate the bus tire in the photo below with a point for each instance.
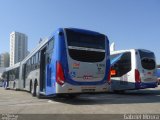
(33, 91)
(38, 92)
(14, 85)
(30, 87)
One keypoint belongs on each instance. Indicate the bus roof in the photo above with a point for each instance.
(84, 30)
(12, 67)
(128, 50)
(35, 50)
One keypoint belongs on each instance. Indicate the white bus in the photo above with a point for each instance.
(12, 76)
(133, 69)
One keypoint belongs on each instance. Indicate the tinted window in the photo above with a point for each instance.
(86, 56)
(85, 40)
(122, 65)
(50, 50)
(147, 60)
(14, 74)
(144, 54)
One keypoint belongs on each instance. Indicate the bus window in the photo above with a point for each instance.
(147, 60)
(86, 47)
(148, 63)
(50, 50)
(122, 66)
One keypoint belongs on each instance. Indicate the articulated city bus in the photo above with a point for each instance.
(11, 76)
(71, 61)
(133, 69)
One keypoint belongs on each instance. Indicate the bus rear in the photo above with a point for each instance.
(145, 73)
(84, 62)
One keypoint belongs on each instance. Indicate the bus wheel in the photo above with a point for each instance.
(37, 92)
(33, 90)
(14, 85)
(30, 87)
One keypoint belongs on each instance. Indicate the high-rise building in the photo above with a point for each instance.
(4, 60)
(18, 47)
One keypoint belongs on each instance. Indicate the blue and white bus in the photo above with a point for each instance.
(133, 69)
(71, 61)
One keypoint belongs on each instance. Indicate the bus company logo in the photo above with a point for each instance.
(76, 65)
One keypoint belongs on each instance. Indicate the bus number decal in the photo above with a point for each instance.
(100, 68)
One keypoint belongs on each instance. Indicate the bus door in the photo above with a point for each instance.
(46, 68)
(50, 89)
(24, 75)
(43, 69)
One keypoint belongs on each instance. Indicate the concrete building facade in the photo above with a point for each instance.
(18, 47)
(4, 60)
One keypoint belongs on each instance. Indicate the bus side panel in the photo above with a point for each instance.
(51, 68)
(126, 81)
(62, 59)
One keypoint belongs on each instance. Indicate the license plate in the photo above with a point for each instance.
(88, 90)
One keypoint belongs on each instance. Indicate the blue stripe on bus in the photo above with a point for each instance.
(145, 85)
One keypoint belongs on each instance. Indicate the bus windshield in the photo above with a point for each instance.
(147, 60)
(85, 47)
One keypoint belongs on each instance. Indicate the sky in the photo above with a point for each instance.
(128, 23)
